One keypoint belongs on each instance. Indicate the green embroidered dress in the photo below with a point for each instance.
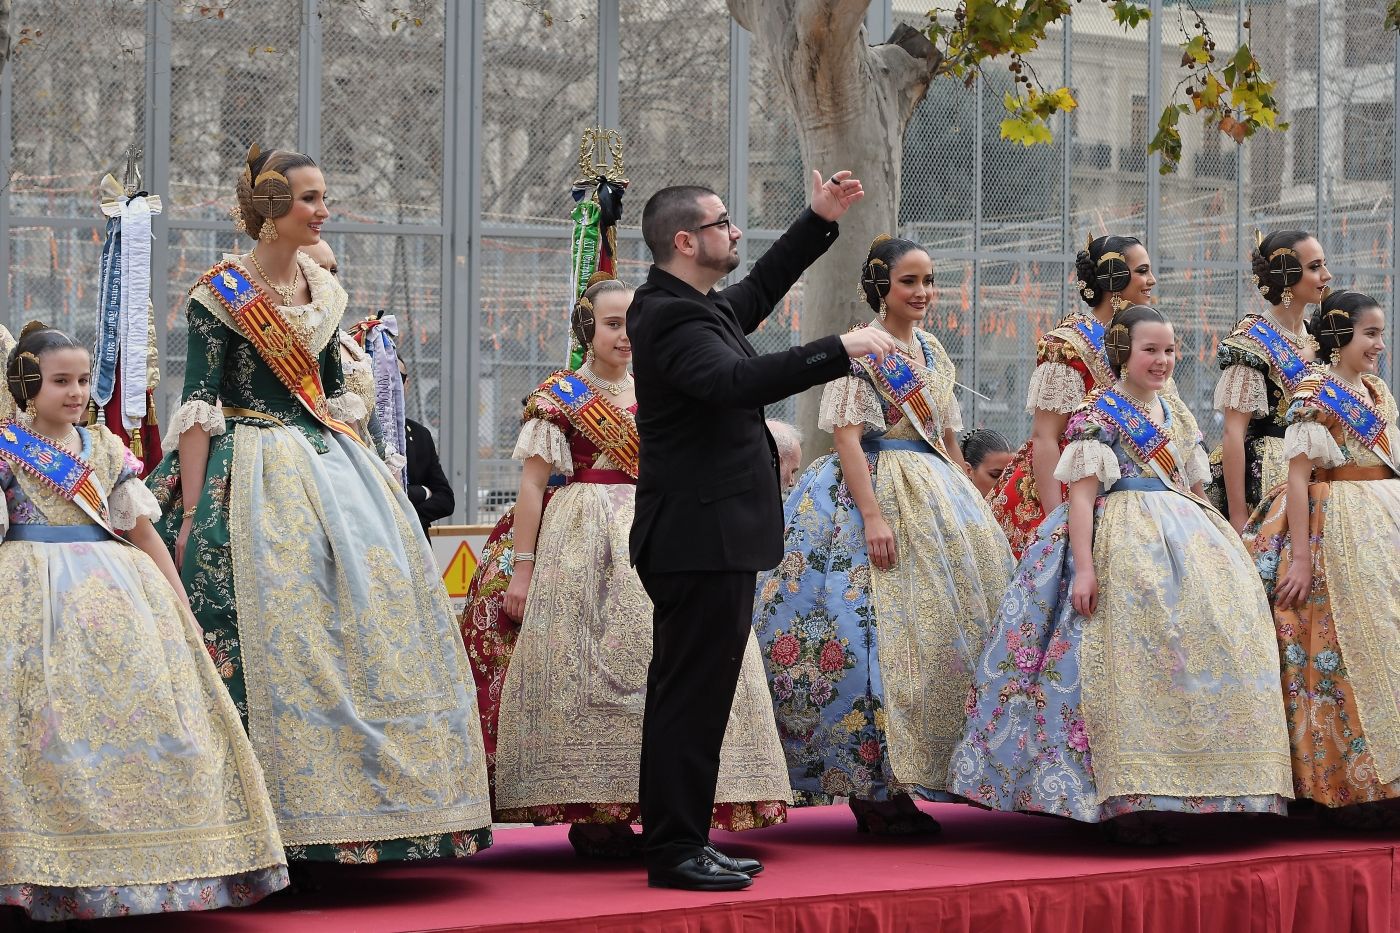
(321, 605)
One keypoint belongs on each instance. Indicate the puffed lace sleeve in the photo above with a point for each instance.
(206, 346)
(129, 499)
(1088, 453)
(1312, 439)
(848, 401)
(348, 407)
(1056, 387)
(1242, 388)
(542, 435)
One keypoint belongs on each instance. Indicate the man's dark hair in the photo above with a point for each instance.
(667, 213)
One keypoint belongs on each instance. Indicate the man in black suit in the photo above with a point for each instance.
(709, 511)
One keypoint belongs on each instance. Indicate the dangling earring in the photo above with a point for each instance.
(883, 310)
(267, 232)
(29, 411)
(1335, 357)
(1117, 302)
(588, 355)
(1288, 297)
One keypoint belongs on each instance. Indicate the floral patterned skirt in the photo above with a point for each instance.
(1016, 503)
(1264, 469)
(583, 563)
(1333, 762)
(324, 510)
(868, 668)
(1029, 741)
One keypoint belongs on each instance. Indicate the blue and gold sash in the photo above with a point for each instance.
(61, 472)
(1140, 433)
(1085, 334)
(1357, 415)
(608, 427)
(898, 384)
(270, 334)
(1092, 331)
(1289, 365)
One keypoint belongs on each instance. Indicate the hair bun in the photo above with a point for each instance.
(599, 276)
(880, 238)
(33, 326)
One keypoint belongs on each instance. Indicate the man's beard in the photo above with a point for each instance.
(724, 264)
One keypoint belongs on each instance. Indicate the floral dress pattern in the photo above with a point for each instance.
(868, 668)
(321, 604)
(1166, 698)
(127, 785)
(1337, 650)
(564, 692)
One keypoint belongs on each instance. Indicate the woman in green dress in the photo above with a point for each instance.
(316, 590)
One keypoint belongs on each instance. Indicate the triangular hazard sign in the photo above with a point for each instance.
(458, 575)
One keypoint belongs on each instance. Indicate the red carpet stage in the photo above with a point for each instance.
(987, 872)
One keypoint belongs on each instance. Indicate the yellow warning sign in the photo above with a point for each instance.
(458, 575)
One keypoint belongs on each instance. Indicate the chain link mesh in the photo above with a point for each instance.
(1002, 222)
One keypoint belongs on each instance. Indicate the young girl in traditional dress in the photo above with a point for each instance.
(569, 719)
(893, 568)
(305, 562)
(1262, 362)
(1131, 665)
(127, 785)
(985, 454)
(1337, 613)
(1114, 272)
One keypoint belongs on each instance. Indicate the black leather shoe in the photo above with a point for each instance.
(700, 873)
(749, 866)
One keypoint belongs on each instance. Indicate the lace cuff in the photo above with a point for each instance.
(194, 413)
(541, 438)
(347, 407)
(130, 501)
(1197, 467)
(1088, 458)
(848, 401)
(395, 461)
(1313, 441)
(1241, 388)
(1054, 387)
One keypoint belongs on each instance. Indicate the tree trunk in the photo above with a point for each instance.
(851, 103)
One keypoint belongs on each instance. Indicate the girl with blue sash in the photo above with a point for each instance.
(1337, 613)
(565, 722)
(1262, 362)
(127, 785)
(1131, 664)
(892, 569)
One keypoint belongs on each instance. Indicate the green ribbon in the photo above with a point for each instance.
(587, 240)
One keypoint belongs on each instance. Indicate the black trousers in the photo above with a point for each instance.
(700, 628)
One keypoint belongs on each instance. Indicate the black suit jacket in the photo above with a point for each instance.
(428, 488)
(708, 496)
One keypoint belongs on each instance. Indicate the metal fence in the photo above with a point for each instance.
(448, 133)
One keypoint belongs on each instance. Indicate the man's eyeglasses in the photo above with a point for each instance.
(722, 223)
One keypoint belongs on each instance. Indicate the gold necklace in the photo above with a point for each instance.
(71, 436)
(612, 388)
(288, 292)
(1149, 408)
(1292, 336)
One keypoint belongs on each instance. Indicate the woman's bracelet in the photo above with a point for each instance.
(524, 556)
(189, 512)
